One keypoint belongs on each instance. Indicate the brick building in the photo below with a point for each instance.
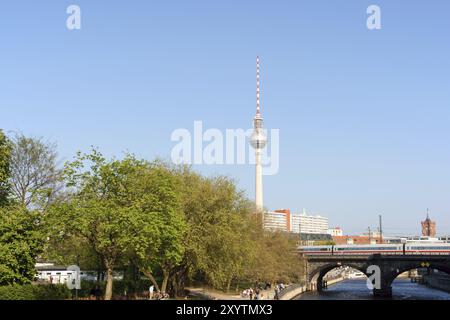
(428, 227)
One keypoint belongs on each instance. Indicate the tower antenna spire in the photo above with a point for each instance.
(258, 88)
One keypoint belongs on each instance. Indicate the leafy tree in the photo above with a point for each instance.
(34, 173)
(225, 242)
(5, 157)
(68, 249)
(217, 246)
(21, 241)
(231, 250)
(277, 259)
(99, 211)
(170, 222)
(121, 209)
(162, 232)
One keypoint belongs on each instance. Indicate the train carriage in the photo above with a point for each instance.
(367, 249)
(427, 249)
(316, 250)
(384, 249)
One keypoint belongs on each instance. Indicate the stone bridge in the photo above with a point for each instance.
(390, 266)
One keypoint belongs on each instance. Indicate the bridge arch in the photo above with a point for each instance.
(393, 274)
(390, 267)
(316, 275)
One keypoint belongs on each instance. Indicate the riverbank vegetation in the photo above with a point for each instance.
(151, 220)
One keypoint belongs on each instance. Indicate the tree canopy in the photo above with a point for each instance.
(172, 224)
(21, 241)
(122, 209)
(5, 158)
(34, 174)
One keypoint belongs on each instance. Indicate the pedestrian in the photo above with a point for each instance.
(251, 294)
(151, 289)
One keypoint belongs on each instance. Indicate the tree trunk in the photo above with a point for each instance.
(174, 287)
(165, 281)
(149, 275)
(180, 278)
(109, 284)
(228, 286)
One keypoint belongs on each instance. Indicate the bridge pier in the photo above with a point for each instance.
(385, 292)
(320, 286)
(312, 286)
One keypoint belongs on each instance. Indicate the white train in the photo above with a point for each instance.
(385, 249)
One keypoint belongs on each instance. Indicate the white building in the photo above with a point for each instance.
(277, 221)
(335, 232)
(48, 272)
(303, 223)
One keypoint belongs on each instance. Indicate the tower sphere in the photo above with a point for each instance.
(258, 139)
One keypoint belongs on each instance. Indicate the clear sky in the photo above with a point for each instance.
(364, 116)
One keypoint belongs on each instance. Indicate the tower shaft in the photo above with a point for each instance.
(258, 181)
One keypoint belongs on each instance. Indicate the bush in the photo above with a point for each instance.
(131, 287)
(119, 287)
(35, 292)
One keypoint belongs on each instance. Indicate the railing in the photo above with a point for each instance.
(292, 290)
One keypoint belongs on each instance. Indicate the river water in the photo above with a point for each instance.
(356, 289)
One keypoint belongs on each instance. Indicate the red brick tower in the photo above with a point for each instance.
(428, 227)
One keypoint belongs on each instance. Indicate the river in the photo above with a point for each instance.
(356, 289)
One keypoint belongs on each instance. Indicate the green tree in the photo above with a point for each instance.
(5, 158)
(34, 175)
(69, 249)
(168, 221)
(217, 242)
(277, 259)
(225, 242)
(122, 209)
(161, 245)
(21, 241)
(99, 211)
(231, 250)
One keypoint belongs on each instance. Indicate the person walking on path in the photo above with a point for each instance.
(151, 289)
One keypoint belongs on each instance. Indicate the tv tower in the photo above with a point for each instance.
(258, 141)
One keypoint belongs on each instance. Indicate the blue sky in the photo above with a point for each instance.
(363, 115)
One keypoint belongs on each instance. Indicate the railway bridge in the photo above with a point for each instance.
(381, 269)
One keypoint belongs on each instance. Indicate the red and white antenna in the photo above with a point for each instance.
(258, 89)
